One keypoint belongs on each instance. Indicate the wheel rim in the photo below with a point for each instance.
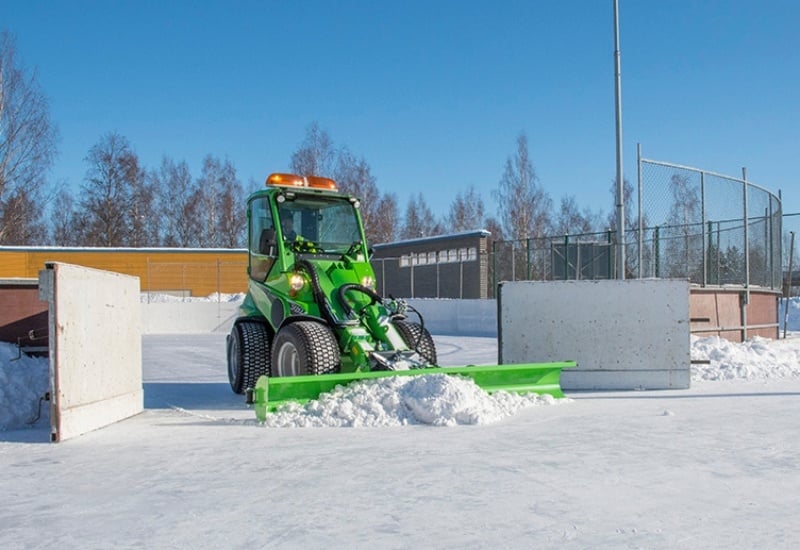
(233, 359)
(288, 360)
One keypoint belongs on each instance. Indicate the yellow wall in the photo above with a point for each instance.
(191, 272)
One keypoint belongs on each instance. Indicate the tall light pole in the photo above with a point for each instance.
(620, 180)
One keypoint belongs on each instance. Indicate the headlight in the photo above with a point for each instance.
(368, 282)
(296, 282)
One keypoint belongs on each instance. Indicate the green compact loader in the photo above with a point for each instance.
(312, 318)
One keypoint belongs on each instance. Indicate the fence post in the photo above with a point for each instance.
(768, 243)
(383, 273)
(494, 269)
(641, 218)
(656, 246)
(746, 296)
(788, 291)
(709, 249)
(528, 260)
(513, 262)
(437, 278)
(703, 223)
(148, 278)
(461, 279)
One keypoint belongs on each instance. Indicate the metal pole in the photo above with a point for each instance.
(528, 259)
(513, 262)
(656, 251)
(620, 178)
(639, 206)
(703, 225)
(437, 279)
(746, 258)
(788, 292)
(461, 279)
(494, 269)
(148, 279)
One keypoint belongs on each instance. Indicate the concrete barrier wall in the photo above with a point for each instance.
(462, 317)
(631, 334)
(95, 348)
(188, 317)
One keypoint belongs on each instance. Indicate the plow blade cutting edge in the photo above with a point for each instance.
(541, 378)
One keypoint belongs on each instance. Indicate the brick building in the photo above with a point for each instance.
(444, 266)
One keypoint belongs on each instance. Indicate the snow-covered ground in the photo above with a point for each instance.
(714, 466)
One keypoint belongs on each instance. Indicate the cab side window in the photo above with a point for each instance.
(262, 240)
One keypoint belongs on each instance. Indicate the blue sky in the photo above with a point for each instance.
(432, 94)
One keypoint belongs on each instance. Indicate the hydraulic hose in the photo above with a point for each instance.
(316, 290)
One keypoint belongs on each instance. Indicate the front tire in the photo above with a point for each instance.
(305, 347)
(417, 338)
(248, 354)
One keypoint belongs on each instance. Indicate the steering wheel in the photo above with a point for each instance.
(305, 246)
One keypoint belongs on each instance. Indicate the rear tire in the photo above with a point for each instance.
(305, 347)
(417, 338)
(248, 354)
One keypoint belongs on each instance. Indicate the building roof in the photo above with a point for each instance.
(436, 238)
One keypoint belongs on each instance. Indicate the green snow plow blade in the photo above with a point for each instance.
(541, 378)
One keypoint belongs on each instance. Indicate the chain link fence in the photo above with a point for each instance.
(688, 223)
(709, 228)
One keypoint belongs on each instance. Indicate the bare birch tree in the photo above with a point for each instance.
(316, 156)
(523, 205)
(419, 221)
(173, 187)
(27, 149)
(385, 230)
(467, 212)
(107, 209)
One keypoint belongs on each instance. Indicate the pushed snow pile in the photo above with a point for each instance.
(154, 298)
(757, 358)
(22, 382)
(436, 399)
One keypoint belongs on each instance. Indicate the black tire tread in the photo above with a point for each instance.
(254, 353)
(417, 338)
(316, 343)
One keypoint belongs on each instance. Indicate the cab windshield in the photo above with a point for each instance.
(330, 224)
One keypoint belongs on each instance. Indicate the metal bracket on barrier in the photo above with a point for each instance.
(33, 335)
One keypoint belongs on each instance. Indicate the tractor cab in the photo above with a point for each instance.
(302, 218)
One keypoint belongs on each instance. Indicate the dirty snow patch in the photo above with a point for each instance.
(435, 399)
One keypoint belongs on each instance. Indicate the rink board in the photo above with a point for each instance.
(624, 334)
(95, 347)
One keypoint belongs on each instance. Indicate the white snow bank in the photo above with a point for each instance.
(153, 298)
(436, 399)
(427, 400)
(757, 358)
